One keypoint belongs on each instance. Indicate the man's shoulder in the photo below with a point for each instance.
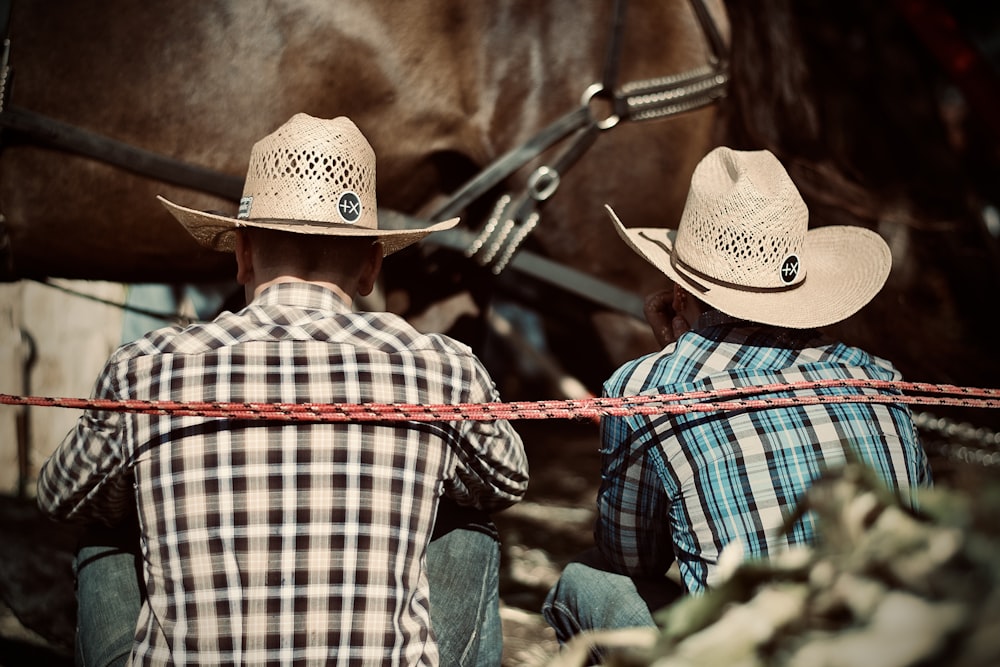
(638, 375)
(696, 361)
(396, 333)
(691, 357)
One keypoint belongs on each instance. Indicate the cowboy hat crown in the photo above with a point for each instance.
(310, 176)
(743, 247)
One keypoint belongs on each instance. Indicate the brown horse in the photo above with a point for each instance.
(442, 89)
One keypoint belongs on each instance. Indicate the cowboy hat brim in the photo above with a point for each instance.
(216, 231)
(845, 268)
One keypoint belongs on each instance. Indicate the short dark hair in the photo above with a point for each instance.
(312, 252)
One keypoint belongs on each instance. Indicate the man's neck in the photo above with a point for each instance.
(333, 287)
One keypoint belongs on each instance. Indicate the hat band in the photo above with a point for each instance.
(290, 222)
(691, 273)
(681, 267)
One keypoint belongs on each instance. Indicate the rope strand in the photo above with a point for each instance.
(739, 398)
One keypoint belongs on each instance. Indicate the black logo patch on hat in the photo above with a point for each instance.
(349, 207)
(790, 269)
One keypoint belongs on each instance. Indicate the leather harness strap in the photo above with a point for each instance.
(63, 136)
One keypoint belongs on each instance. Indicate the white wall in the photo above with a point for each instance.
(72, 337)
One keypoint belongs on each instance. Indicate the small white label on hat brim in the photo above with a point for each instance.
(245, 204)
(349, 207)
(790, 269)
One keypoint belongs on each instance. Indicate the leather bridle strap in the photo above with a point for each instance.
(613, 56)
(569, 123)
(639, 100)
(511, 161)
(515, 217)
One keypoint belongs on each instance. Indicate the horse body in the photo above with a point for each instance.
(440, 89)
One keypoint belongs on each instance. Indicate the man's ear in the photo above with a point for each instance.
(244, 257)
(370, 269)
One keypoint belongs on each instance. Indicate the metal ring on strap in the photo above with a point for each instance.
(592, 91)
(543, 183)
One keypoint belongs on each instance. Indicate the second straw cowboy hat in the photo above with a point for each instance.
(742, 246)
(310, 176)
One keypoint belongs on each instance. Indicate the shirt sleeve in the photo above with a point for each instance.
(86, 478)
(491, 469)
(632, 530)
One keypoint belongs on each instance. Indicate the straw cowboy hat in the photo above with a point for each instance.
(310, 176)
(742, 246)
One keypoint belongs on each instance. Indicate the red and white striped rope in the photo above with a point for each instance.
(741, 398)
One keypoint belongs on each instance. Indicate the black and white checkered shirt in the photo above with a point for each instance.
(278, 543)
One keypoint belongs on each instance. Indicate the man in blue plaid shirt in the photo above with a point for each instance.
(751, 285)
(306, 543)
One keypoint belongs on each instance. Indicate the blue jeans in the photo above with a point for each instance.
(463, 567)
(109, 593)
(591, 596)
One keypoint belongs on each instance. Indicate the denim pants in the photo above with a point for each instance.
(109, 592)
(463, 567)
(591, 596)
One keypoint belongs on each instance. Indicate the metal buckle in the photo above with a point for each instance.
(597, 90)
(543, 183)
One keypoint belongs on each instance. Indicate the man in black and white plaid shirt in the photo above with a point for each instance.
(272, 542)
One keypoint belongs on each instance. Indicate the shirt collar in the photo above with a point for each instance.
(301, 295)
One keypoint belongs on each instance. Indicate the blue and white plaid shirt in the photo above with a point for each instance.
(274, 542)
(684, 486)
